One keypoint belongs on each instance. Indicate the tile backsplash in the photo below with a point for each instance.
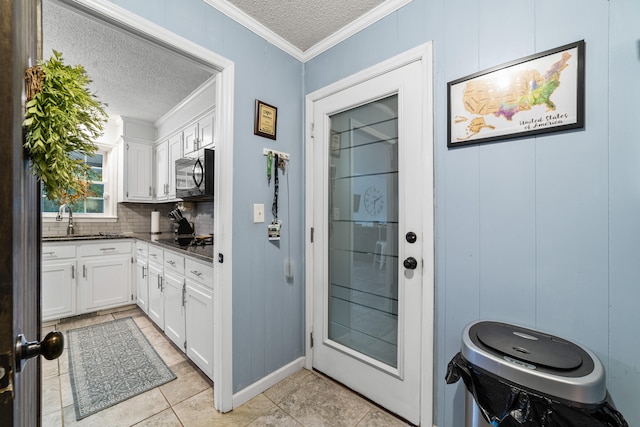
(136, 218)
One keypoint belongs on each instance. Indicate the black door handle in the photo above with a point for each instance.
(410, 263)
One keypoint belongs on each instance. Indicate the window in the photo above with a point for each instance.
(99, 203)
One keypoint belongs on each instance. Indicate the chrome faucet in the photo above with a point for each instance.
(59, 217)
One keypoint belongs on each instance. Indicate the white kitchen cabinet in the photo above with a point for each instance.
(58, 289)
(173, 290)
(105, 283)
(199, 327)
(142, 284)
(58, 292)
(191, 135)
(156, 298)
(138, 172)
(199, 314)
(206, 128)
(180, 302)
(175, 153)
(82, 277)
(174, 316)
(162, 171)
(142, 276)
(199, 135)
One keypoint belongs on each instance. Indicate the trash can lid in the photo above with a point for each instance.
(529, 346)
(535, 360)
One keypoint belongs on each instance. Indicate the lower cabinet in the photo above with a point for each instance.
(58, 289)
(174, 299)
(179, 301)
(175, 290)
(199, 326)
(142, 284)
(142, 276)
(105, 282)
(156, 298)
(80, 277)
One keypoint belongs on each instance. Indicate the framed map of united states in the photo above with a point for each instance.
(537, 94)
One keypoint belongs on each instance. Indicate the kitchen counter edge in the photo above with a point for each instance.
(195, 252)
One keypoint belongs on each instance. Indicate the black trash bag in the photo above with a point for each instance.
(505, 404)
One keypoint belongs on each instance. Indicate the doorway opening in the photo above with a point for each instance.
(201, 64)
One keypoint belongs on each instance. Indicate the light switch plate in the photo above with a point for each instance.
(258, 212)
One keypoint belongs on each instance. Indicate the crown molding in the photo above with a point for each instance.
(374, 15)
(369, 18)
(252, 24)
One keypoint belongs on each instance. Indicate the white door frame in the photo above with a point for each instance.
(423, 53)
(104, 10)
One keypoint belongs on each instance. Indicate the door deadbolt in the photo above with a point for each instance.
(410, 263)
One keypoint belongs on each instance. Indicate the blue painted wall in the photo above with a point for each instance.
(268, 309)
(542, 231)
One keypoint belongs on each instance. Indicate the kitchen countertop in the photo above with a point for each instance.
(204, 253)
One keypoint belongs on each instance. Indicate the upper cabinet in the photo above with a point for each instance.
(199, 135)
(162, 171)
(175, 153)
(150, 150)
(167, 152)
(137, 155)
(206, 127)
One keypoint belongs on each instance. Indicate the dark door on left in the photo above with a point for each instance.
(20, 231)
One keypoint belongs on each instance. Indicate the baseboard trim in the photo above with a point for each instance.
(265, 383)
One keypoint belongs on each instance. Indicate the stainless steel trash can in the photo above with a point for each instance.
(532, 360)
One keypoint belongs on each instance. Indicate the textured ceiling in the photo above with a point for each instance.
(134, 77)
(307, 22)
(142, 80)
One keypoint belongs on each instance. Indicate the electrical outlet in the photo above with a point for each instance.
(258, 212)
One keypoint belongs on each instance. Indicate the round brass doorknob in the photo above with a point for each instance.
(50, 348)
(52, 345)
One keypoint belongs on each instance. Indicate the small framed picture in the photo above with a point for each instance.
(265, 123)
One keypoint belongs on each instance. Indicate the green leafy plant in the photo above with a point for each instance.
(62, 118)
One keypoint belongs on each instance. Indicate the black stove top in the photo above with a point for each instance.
(200, 245)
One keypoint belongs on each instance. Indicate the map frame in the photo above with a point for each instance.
(557, 104)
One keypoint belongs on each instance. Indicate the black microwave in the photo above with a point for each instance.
(194, 177)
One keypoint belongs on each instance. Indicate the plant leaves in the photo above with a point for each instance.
(64, 118)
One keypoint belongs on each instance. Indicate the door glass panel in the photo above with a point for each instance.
(363, 229)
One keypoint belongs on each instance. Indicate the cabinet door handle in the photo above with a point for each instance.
(150, 191)
(143, 271)
(107, 249)
(84, 271)
(73, 272)
(197, 273)
(160, 283)
(173, 263)
(48, 253)
(184, 294)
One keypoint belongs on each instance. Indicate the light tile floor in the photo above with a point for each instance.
(303, 399)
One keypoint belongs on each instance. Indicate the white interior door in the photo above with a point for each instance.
(369, 173)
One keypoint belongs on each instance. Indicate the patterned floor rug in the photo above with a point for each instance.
(111, 362)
